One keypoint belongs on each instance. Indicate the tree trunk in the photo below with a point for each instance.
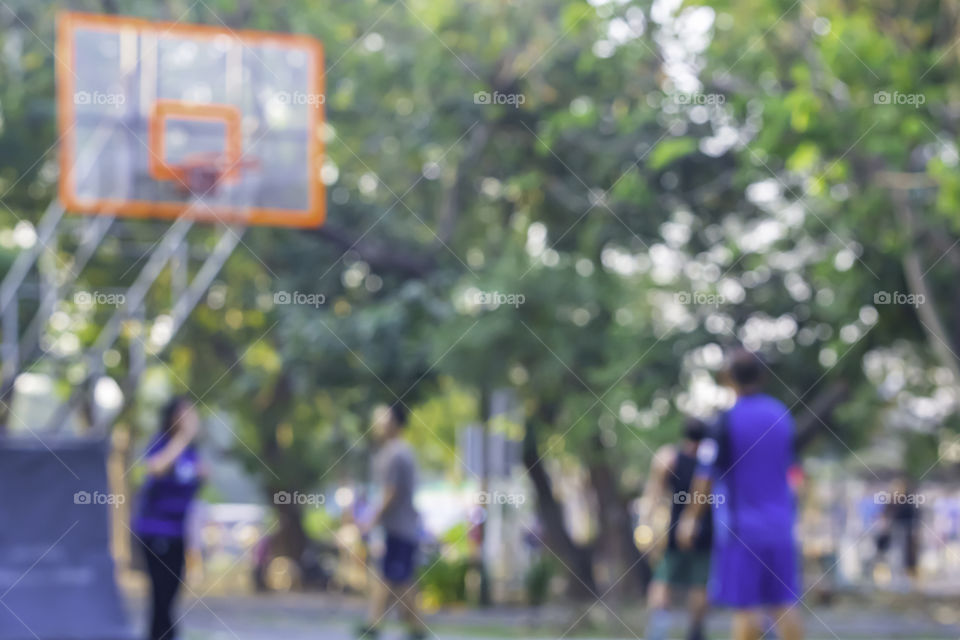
(485, 598)
(812, 420)
(575, 559)
(289, 538)
(934, 327)
(628, 571)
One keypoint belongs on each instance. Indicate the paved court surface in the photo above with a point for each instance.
(315, 617)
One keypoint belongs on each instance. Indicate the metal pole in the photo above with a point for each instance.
(10, 346)
(134, 298)
(96, 230)
(25, 259)
(48, 222)
(208, 271)
(180, 274)
(228, 241)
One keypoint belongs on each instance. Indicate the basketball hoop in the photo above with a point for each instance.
(184, 117)
(201, 174)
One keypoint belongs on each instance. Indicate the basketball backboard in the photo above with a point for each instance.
(217, 124)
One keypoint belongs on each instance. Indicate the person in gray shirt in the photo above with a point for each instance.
(395, 475)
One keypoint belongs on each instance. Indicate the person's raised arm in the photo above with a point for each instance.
(656, 485)
(160, 462)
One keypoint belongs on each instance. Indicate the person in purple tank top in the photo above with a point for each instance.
(174, 473)
(746, 464)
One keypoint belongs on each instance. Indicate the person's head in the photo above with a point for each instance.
(744, 371)
(694, 430)
(389, 420)
(900, 484)
(177, 414)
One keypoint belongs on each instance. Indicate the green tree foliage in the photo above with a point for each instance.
(582, 202)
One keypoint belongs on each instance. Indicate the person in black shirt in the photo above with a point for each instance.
(686, 569)
(899, 523)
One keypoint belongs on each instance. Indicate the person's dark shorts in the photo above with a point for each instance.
(399, 560)
(688, 569)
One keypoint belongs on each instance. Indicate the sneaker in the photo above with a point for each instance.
(417, 635)
(366, 632)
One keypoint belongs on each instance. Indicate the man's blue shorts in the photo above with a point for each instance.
(745, 575)
(399, 559)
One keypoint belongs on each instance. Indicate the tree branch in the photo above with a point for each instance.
(817, 414)
(927, 309)
(452, 200)
(377, 255)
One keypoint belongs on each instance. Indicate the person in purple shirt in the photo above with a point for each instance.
(746, 465)
(174, 473)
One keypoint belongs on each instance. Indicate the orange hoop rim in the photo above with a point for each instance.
(223, 168)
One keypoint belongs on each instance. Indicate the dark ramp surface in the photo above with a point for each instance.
(56, 573)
